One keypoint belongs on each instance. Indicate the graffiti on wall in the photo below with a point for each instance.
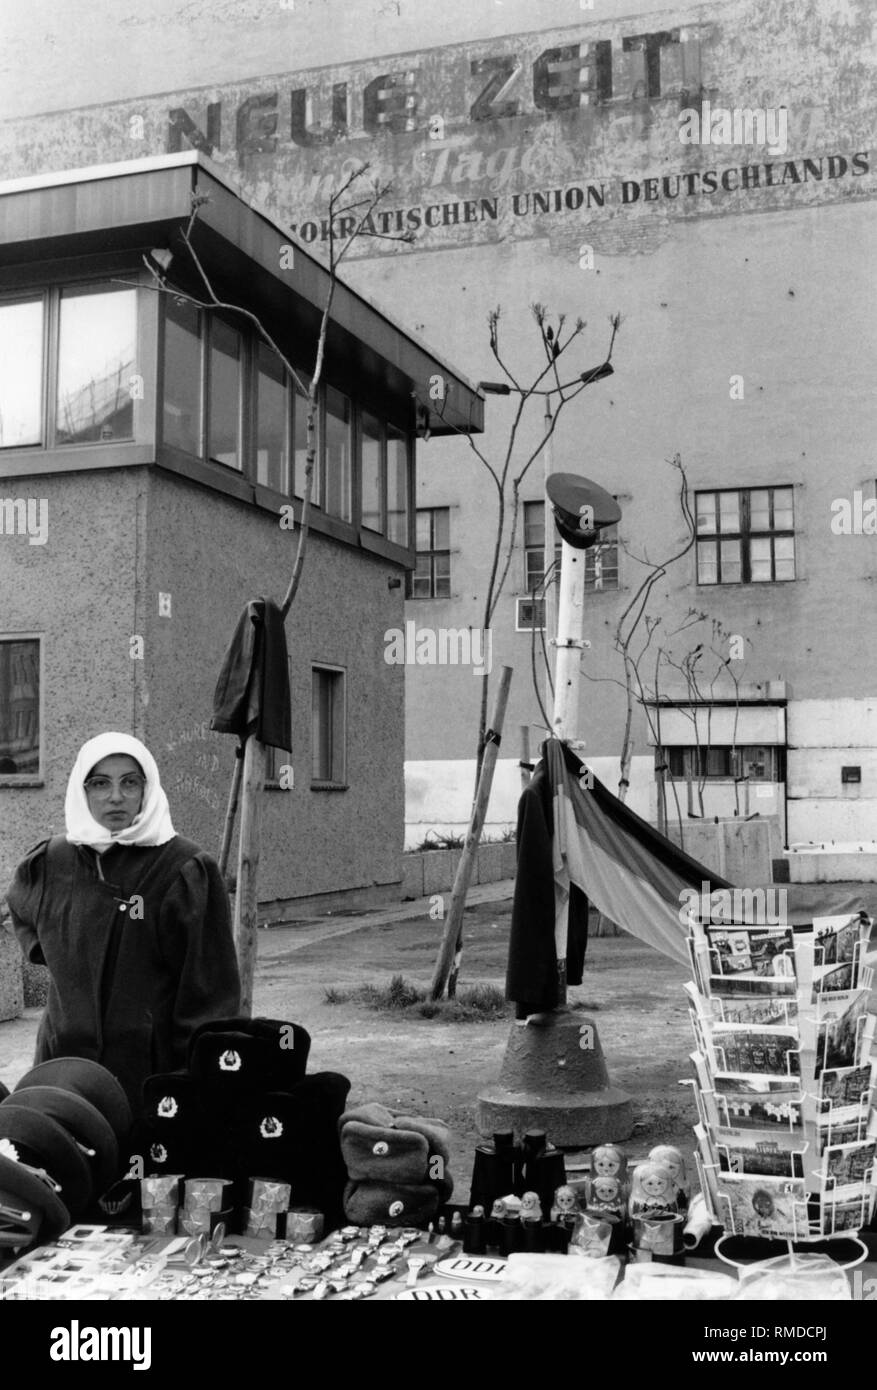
(510, 138)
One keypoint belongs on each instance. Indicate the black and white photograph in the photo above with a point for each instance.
(852, 1163)
(438, 546)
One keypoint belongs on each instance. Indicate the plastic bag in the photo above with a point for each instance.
(674, 1284)
(540, 1278)
(787, 1278)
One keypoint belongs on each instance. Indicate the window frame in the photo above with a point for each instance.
(691, 754)
(532, 552)
(745, 535)
(334, 783)
(520, 600)
(49, 286)
(30, 779)
(431, 553)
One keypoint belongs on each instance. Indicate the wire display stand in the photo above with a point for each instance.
(784, 1085)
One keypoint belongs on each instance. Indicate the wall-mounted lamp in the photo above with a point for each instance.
(162, 258)
(495, 388)
(394, 582)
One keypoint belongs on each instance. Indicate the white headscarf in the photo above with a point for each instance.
(152, 824)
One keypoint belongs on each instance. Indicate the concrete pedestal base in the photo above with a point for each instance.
(11, 994)
(554, 1078)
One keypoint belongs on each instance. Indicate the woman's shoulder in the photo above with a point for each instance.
(45, 850)
(183, 853)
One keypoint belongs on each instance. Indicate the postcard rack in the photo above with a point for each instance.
(784, 1077)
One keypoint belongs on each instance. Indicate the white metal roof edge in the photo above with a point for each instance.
(153, 163)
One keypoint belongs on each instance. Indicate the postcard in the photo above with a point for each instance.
(757, 1102)
(846, 1164)
(755, 1152)
(773, 1051)
(762, 1206)
(845, 1086)
(753, 952)
(849, 1215)
(767, 1010)
(841, 1131)
(838, 1038)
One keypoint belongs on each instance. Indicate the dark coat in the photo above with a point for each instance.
(127, 990)
(252, 693)
(531, 979)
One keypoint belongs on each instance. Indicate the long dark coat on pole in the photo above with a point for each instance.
(531, 980)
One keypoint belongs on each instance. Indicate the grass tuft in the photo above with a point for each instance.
(474, 1004)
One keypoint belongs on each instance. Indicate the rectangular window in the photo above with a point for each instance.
(224, 411)
(272, 421)
(19, 708)
(529, 613)
(182, 376)
(372, 455)
(397, 486)
(21, 372)
(745, 536)
(96, 351)
(432, 539)
(764, 763)
(338, 455)
(328, 733)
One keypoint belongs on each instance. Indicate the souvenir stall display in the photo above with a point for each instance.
(785, 1081)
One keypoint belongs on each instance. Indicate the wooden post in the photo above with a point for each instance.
(246, 896)
(525, 756)
(452, 938)
(550, 602)
(231, 810)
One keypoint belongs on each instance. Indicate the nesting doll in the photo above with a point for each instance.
(531, 1207)
(606, 1196)
(672, 1159)
(565, 1207)
(608, 1161)
(652, 1190)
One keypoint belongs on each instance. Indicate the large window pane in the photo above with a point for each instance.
(339, 417)
(224, 424)
(707, 564)
(759, 509)
(95, 364)
(731, 562)
(729, 511)
(706, 512)
(783, 509)
(19, 708)
(272, 452)
(182, 376)
(372, 489)
(760, 560)
(21, 373)
(784, 557)
(397, 486)
(327, 726)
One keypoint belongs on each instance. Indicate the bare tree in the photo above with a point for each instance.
(350, 211)
(508, 472)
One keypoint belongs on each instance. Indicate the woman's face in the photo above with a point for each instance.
(114, 789)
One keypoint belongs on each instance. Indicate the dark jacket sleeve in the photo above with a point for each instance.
(23, 897)
(195, 927)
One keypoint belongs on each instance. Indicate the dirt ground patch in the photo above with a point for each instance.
(439, 1068)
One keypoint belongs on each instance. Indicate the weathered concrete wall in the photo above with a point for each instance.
(116, 540)
(212, 555)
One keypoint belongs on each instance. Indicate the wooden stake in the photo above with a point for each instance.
(231, 811)
(246, 902)
(452, 939)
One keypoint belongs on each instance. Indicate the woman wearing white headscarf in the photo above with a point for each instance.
(131, 919)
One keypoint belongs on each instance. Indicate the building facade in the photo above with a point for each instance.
(153, 460)
(706, 171)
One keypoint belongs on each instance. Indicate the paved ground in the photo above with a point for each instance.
(424, 1065)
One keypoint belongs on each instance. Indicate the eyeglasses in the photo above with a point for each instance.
(101, 788)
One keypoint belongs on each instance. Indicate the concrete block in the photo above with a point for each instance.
(438, 870)
(11, 987)
(412, 876)
(489, 863)
(509, 860)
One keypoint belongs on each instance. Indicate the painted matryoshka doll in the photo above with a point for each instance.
(607, 1196)
(672, 1159)
(652, 1190)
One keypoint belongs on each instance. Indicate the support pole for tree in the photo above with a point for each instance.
(231, 811)
(452, 938)
(246, 902)
(549, 587)
(567, 684)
